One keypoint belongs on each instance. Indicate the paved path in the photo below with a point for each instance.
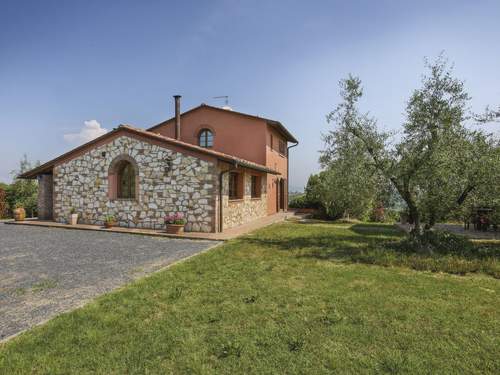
(46, 271)
(227, 234)
(471, 232)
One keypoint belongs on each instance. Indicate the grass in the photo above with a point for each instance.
(20, 292)
(38, 287)
(44, 285)
(290, 299)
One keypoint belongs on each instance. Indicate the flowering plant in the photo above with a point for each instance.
(177, 218)
(109, 219)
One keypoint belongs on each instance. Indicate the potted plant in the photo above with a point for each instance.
(109, 221)
(174, 224)
(19, 212)
(73, 217)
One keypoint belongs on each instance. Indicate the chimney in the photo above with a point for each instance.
(177, 99)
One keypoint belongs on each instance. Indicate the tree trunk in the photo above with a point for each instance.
(417, 226)
(432, 221)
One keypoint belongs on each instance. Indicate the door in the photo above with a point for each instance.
(277, 195)
(282, 193)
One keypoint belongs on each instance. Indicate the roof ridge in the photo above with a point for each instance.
(191, 145)
(222, 156)
(268, 120)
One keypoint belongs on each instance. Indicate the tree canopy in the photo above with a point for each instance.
(20, 193)
(437, 163)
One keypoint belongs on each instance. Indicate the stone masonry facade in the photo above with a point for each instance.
(168, 182)
(241, 211)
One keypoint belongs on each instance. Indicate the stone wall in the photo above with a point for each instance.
(168, 182)
(45, 197)
(241, 211)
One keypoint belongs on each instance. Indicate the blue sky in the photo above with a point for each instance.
(66, 63)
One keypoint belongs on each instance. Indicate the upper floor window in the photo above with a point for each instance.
(279, 146)
(282, 147)
(206, 138)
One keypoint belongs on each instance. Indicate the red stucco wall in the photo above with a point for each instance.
(236, 135)
(245, 137)
(278, 162)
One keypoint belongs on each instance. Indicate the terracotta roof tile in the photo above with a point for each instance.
(219, 155)
(191, 146)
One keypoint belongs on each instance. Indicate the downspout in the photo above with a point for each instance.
(288, 170)
(221, 175)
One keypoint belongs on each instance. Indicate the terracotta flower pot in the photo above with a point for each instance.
(109, 224)
(174, 228)
(19, 214)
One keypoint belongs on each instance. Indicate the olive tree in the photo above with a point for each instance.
(438, 161)
(347, 185)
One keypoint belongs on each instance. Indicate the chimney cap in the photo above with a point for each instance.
(177, 96)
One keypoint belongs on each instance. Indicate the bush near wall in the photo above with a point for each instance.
(298, 201)
(22, 193)
(381, 214)
(3, 204)
(301, 201)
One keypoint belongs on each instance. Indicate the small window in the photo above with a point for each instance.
(235, 186)
(282, 148)
(271, 143)
(255, 187)
(206, 138)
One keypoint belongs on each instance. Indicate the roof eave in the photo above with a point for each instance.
(283, 130)
(281, 127)
(250, 166)
(48, 166)
(33, 173)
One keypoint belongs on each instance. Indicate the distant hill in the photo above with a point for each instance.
(294, 189)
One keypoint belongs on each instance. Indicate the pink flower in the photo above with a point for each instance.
(177, 218)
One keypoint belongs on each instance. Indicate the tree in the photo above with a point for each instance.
(313, 191)
(340, 194)
(348, 182)
(438, 162)
(23, 192)
(489, 115)
(3, 201)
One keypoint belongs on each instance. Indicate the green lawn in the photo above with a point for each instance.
(290, 299)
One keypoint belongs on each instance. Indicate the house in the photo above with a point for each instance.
(219, 167)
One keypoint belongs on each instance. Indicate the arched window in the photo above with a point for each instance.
(126, 180)
(206, 138)
(123, 175)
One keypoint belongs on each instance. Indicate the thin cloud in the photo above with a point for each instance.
(91, 129)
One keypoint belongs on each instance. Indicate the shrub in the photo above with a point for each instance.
(302, 201)
(3, 204)
(435, 252)
(437, 242)
(381, 214)
(378, 213)
(298, 201)
(109, 219)
(392, 216)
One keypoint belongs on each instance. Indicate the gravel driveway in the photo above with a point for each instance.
(46, 271)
